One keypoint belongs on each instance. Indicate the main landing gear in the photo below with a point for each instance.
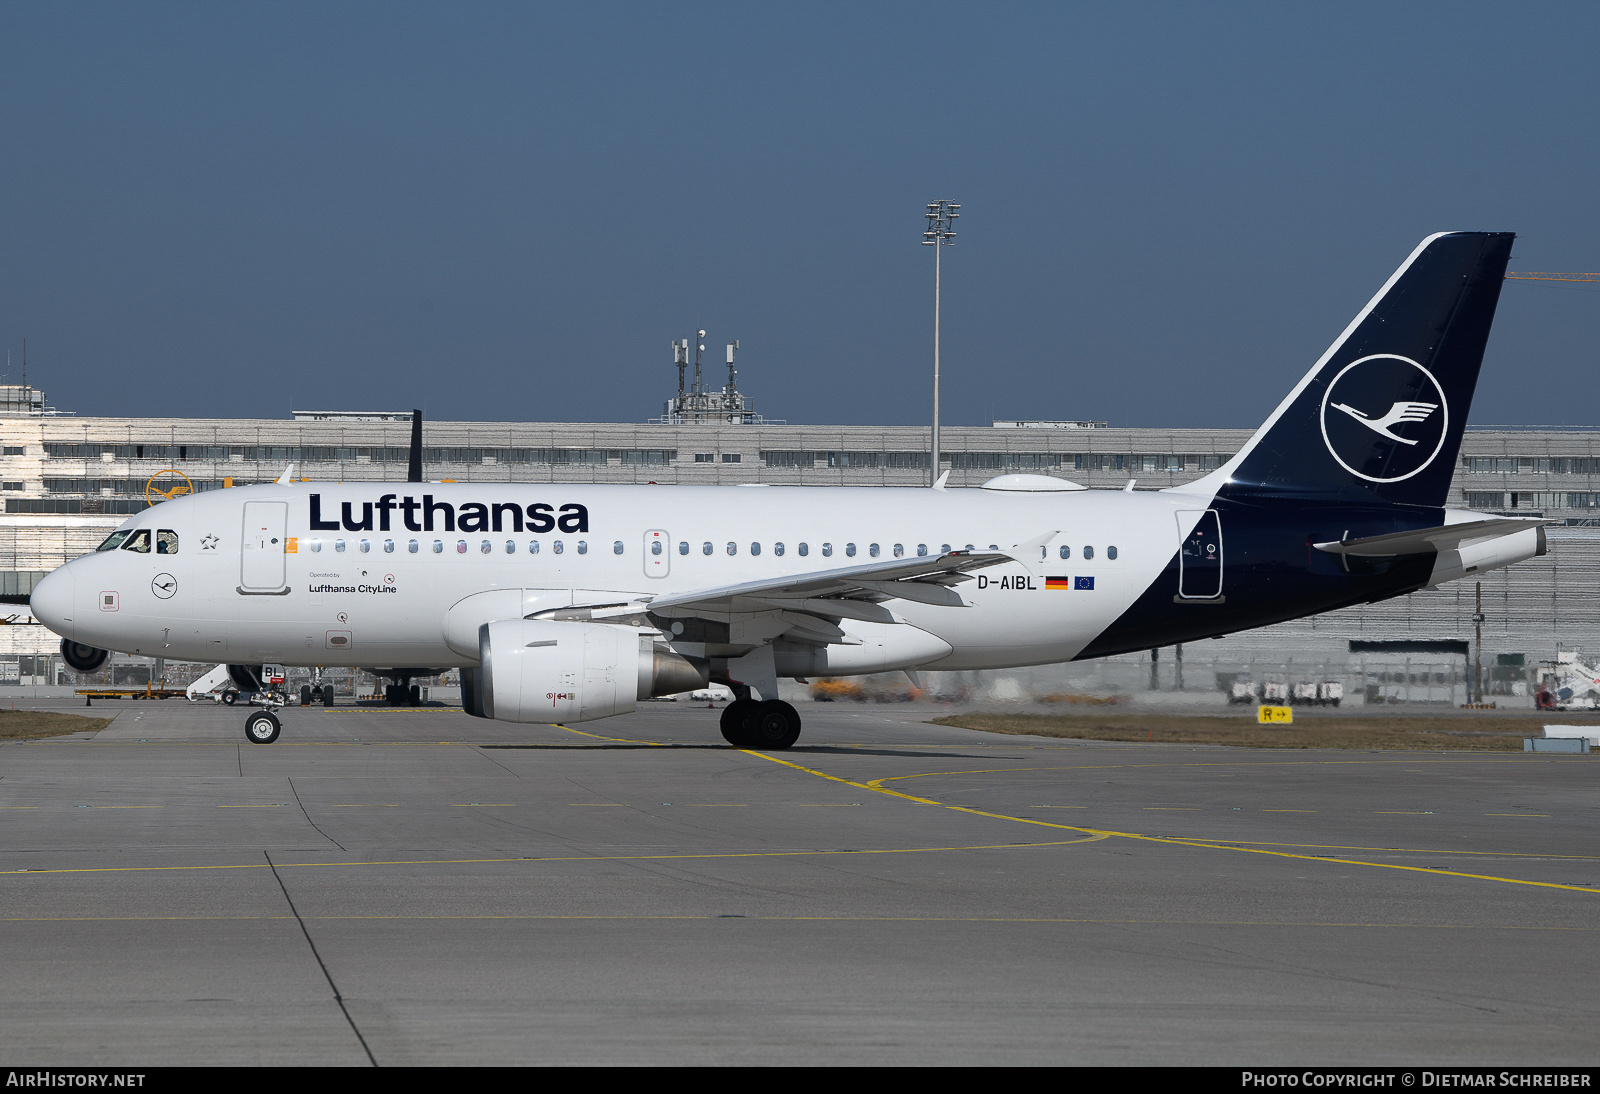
(770, 725)
(403, 695)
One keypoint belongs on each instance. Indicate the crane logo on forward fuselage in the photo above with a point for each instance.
(1392, 418)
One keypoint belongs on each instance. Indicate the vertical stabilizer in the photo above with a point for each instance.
(1379, 417)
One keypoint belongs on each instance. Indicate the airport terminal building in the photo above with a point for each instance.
(67, 480)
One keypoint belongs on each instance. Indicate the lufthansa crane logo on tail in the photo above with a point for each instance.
(1384, 418)
(1400, 412)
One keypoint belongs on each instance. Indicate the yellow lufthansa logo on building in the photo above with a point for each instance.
(1274, 715)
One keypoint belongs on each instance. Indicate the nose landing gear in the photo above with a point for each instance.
(262, 727)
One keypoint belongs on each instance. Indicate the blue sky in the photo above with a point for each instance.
(506, 211)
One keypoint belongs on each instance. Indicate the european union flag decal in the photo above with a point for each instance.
(1083, 583)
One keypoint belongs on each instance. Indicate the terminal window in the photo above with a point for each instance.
(730, 457)
(705, 457)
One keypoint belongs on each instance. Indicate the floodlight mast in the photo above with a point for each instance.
(941, 233)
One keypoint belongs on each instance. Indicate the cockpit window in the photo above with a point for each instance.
(166, 542)
(138, 540)
(113, 541)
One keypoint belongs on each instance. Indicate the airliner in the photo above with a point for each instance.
(569, 603)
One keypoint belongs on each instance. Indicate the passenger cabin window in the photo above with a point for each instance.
(1066, 552)
(461, 546)
(138, 541)
(533, 546)
(850, 550)
(755, 548)
(655, 546)
(113, 541)
(705, 548)
(438, 546)
(873, 550)
(1088, 552)
(827, 550)
(616, 547)
(388, 546)
(899, 550)
(166, 542)
(922, 550)
(316, 546)
(485, 547)
(804, 549)
(1111, 553)
(683, 546)
(366, 545)
(338, 545)
(583, 546)
(733, 548)
(777, 549)
(944, 548)
(557, 547)
(511, 546)
(411, 546)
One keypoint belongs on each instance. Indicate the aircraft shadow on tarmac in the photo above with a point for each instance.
(813, 750)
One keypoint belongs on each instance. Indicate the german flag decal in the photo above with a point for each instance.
(1062, 583)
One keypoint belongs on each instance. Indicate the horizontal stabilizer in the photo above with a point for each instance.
(1420, 541)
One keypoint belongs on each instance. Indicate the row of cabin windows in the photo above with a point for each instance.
(617, 547)
(1087, 553)
(485, 547)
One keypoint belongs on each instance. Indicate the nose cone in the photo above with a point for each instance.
(52, 601)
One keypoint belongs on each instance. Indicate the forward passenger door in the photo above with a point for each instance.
(261, 556)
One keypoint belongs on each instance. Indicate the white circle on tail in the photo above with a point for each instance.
(1384, 408)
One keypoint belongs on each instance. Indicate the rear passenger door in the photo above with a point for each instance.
(1200, 558)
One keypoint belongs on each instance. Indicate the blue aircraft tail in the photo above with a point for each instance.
(1379, 417)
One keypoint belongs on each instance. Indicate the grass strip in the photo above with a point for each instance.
(1407, 733)
(28, 725)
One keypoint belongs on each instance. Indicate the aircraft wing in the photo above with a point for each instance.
(853, 592)
(1422, 540)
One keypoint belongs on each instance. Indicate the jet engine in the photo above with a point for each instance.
(541, 670)
(81, 658)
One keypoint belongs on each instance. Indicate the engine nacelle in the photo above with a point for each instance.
(82, 658)
(540, 670)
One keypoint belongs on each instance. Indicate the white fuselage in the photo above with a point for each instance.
(382, 597)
